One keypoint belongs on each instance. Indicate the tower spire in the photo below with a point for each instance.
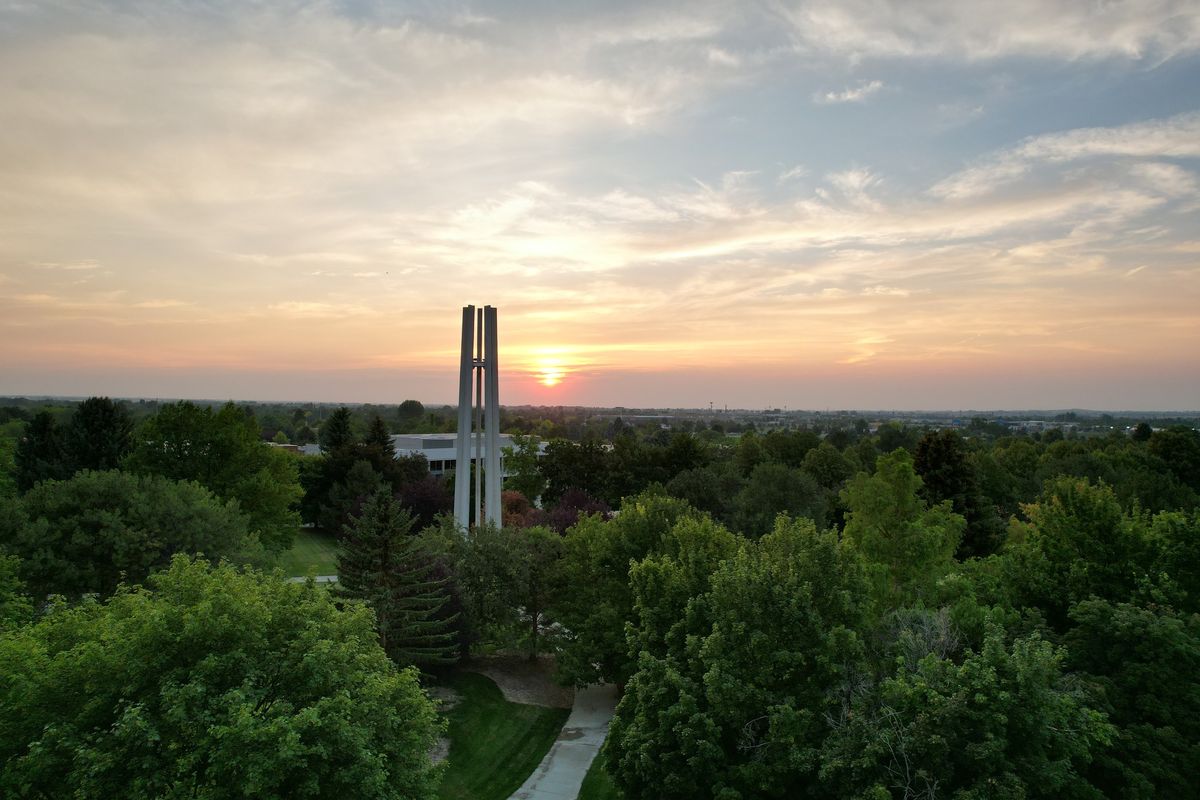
(474, 447)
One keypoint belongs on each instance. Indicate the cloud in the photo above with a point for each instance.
(1177, 136)
(619, 183)
(1153, 30)
(854, 94)
(798, 171)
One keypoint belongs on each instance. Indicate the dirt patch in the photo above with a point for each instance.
(525, 681)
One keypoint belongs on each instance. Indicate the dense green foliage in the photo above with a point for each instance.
(384, 565)
(209, 683)
(876, 664)
(808, 612)
(97, 437)
(350, 469)
(595, 565)
(223, 451)
(97, 529)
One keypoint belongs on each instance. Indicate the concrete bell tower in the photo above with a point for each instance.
(478, 441)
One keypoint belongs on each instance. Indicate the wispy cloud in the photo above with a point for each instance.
(1154, 30)
(1177, 136)
(853, 94)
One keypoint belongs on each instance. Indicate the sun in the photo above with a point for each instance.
(549, 376)
(550, 372)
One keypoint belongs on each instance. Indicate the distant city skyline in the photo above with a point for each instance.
(930, 205)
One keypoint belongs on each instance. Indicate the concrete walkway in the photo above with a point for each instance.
(561, 772)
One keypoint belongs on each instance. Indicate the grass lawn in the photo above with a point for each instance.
(597, 785)
(313, 551)
(494, 744)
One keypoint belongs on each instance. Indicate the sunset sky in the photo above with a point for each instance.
(820, 205)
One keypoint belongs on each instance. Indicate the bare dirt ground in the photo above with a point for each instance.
(525, 681)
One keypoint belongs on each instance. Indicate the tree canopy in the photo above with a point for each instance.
(210, 683)
(223, 451)
(383, 564)
(97, 529)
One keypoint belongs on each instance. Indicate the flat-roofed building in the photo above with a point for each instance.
(438, 448)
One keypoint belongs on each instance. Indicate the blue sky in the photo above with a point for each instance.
(855, 204)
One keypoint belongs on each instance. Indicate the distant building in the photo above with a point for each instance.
(439, 448)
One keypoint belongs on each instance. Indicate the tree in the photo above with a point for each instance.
(521, 464)
(908, 544)
(99, 435)
(1078, 544)
(210, 684)
(538, 579)
(789, 447)
(569, 465)
(895, 435)
(379, 436)
(598, 604)
(573, 505)
(773, 489)
(665, 583)
(947, 474)
(1142, 432)
(224, 452)
(16, 607)
(1143, 662)
(826, 465)
(739, 707)
(383, 565)
(40, 455)
(336, 432)
(347, 496)
(410, 413)
(426, 499)
(1003, 723)
(485, 564)
(90, 532)
(710, 489)
(1179, 447)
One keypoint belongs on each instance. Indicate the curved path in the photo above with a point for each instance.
(561, 772)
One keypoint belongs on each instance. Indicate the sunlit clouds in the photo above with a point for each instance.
(803, 204)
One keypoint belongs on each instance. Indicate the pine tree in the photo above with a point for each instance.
(336, 432)
(379, 436)
(383, 565)
(99, 435)
(39, 455)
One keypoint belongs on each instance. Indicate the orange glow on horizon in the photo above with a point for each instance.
(550, 372)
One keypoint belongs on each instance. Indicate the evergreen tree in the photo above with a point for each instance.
(99, 435)
(383, 565)
(39, 455)
(361, 482)
(335, 431)
(378, 436)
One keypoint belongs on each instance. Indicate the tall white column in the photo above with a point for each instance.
(462, 466)
(491, 407)
(477, 437)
